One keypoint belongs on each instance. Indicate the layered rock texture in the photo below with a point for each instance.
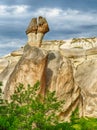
(68, 67)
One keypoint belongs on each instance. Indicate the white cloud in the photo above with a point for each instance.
(55, 12)
(59, 19)
(55, 16)
(17, 17)
(67, 18)
(20, 9)
(13, 10)
(48, 12)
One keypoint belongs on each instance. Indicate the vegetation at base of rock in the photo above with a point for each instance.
(27, 112)
(27, 109)
(1, 83)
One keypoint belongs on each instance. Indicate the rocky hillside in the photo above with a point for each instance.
(65, 66)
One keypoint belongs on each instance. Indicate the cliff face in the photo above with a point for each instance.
(70, 71)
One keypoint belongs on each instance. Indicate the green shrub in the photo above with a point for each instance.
(1, 83)
(27, 109)
(82, 123)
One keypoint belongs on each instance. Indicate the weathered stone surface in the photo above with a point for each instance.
(51, 45)
(32, 27)
(3, 64)
(70, 70)
(17, 52)
(60, 79)
(54, 72)
(5, 74)
(91, 51)
(42, 25)
(36, 31)
(86, 79)
(81, 43)
(73, 53)
(29, 70)
(11, 62)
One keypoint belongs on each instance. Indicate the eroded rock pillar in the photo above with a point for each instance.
(36, 31)
(31, 32)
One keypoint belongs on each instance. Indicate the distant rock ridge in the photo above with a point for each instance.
(68, 67)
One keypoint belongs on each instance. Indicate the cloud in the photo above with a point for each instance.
(8, 45)
(54, 15)
(59, 19)
(69, 22)
(13, 10)
(67, 17)
(49, 12)
(64, 23)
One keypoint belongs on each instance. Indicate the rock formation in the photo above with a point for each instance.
(68, 67)
(54, 72)
(36, 31)
(86, 78)
(30, 69)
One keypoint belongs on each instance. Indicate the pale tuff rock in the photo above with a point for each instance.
(8, 69)
(60, 79)
(54, 72)
(68, 67)
(81, 43)
(51, 45)
(73, 53)
(5, 74)
(36, 31)
(86, 78)
(28, 70)
(63, 66)
(17, 52)
(31, 32)
(3, 64)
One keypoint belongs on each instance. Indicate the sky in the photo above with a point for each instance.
(66, 18)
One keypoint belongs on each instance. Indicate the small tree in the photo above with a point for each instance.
(27, 111)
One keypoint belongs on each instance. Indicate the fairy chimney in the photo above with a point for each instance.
(36, 31)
